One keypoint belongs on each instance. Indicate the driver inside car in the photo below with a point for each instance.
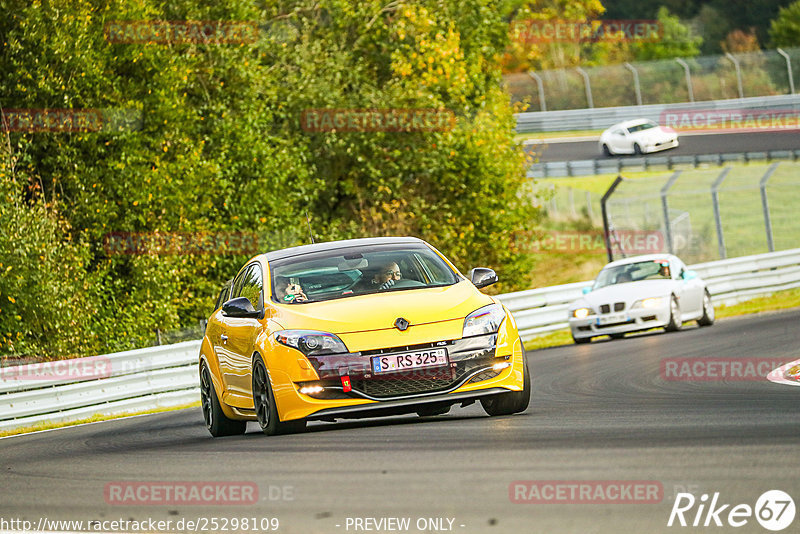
(387, 276)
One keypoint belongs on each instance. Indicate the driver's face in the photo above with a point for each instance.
(390, 272)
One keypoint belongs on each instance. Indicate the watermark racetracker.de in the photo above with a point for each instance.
(586, 492)
(180, 32)
(50, 120)
(718, 368)
(731, 120)
(377, 120)
(589, 242)
(587, 31)
(192, 493)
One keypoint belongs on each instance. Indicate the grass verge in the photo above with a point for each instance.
(781, 300)
(93, 419)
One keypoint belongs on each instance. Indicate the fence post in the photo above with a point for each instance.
(717, 219)
(571, 196)
(540, 85)
(738, 72)
(765, 205)
(604, 211)
(688, 74)
(158, 336)
(788, 69)
(588, 85)
(636, 87)
(665, 206)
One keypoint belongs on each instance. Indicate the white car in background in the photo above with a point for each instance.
(637, 136)
(639, 293)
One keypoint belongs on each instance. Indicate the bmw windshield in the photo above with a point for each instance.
(633, 272)
(355, 271)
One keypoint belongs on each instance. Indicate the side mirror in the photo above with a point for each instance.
(240, 307)
(482, 277)
(587, 289)
(689, 275)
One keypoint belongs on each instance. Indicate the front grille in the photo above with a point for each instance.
(423, 381)
(606, 308)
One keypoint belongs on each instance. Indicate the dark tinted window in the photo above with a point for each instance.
(223, 294)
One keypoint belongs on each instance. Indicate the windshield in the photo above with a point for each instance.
(633, 272)
(357, 271)
(641, 127)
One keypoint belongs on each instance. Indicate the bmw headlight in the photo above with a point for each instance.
(654, 302)
(581, 313)
(484, 320)
(311, 342)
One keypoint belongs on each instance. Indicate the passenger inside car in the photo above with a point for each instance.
(287, 291)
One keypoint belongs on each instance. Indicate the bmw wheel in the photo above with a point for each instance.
(675, 322)
(708, 311)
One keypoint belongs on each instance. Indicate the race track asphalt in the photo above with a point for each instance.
(599, 412)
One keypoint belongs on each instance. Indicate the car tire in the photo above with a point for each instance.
(581, 340)
(637, 149)
(216, 422)
(264, 404)
(606, 151)
(430, 411)
(708, 311)
(513, 402)
(675, 322)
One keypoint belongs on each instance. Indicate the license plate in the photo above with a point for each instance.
(403, 361)
(613, 318)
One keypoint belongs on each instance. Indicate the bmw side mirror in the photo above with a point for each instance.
(689, 275)
(482, 277)
(586, 290)
(240, 307)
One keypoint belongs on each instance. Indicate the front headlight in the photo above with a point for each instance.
(484, 320)
(311, 342)
(581, 313)
(654, 302)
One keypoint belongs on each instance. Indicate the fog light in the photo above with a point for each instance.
(500, 366)
(311, 390)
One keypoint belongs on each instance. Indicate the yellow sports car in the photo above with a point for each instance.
(352, 329)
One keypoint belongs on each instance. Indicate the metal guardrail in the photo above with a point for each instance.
(602, 118)
(543, 310)
(591, 167)
(125, 382)
(167, 376)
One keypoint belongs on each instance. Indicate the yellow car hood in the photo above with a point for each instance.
(380, 310)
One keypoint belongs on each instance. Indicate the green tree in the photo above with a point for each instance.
(785, 30)
(678, 40)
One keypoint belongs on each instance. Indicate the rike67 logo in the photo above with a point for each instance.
(774, 510)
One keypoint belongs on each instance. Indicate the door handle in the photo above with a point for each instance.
(224, 338)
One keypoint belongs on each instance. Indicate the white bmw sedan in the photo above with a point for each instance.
(638, 136)
(639, 293)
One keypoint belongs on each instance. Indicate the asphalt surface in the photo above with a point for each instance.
(599, 412)
(689, 145)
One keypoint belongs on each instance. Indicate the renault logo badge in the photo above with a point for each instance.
(401, 324)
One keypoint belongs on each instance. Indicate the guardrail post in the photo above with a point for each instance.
(788, 69)
(688, 75)
(717, 219)
(765, 205)
(636, 87)
(738, 72)
(540, 85)
(665, 206)
(603, 200)
(588, 85)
